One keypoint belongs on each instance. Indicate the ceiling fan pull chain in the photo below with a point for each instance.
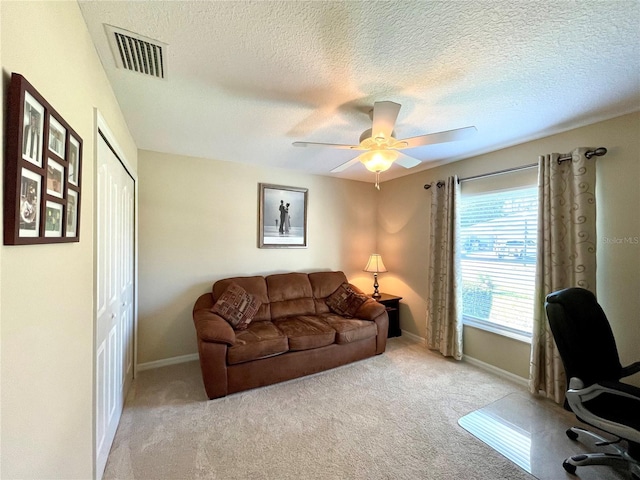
(378, 180)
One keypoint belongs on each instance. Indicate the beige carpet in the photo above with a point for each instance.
(394, 416)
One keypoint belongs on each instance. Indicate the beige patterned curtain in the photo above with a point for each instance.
(444, 306)
(566, 255)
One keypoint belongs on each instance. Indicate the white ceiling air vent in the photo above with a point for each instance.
(137, 53)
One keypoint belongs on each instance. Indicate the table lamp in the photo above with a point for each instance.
(375, 266)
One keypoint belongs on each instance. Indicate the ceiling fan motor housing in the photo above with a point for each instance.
(381, 145)
(368, 142)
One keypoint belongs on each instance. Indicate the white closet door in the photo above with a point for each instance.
(115, 287)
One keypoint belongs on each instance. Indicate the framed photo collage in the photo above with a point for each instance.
(43, 162)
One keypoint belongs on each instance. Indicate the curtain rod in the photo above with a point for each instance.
(598, 152)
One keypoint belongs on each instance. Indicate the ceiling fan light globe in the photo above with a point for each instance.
(378, 160)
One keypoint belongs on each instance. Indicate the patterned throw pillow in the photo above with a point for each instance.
(236, 306)
(345, 301)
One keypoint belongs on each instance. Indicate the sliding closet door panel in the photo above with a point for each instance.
(115, 274)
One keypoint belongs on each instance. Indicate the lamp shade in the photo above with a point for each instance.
(378, 160)
(375, 264)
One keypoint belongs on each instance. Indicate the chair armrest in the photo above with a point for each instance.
(370, 310)
(578, 392)
(630, 370)
(211, 327)
(630, 395)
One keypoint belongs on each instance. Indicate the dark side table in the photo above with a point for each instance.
(392, 304)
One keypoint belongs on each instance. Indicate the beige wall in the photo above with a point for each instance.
(198, 223)
(46, 302)
(403, 228)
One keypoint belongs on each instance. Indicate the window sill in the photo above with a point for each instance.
(518, 335)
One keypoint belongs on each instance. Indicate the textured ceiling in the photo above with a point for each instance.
(246, 79)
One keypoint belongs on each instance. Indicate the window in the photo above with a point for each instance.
(498, 260)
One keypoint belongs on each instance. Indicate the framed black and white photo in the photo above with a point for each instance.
(57, 136)
(72, 214)
(30, 200)
(32, 126)
(55, 178)
(42, 170)
(282, 216)
(74, 155)
(53, 220)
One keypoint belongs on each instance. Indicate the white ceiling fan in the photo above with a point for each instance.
(382, 148)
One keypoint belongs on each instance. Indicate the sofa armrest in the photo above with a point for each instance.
(376, 312)
(370, 310)
(211, 327)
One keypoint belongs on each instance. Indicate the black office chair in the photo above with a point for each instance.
(595, 394)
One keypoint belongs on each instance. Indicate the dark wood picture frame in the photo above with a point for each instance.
(278, 203)
(42, 170)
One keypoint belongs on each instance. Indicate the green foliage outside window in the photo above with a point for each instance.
(477, 297)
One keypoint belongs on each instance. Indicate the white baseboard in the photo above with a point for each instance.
(498, 371)
(408, 335)
(414, 337)
(474, 361)
(167, 361)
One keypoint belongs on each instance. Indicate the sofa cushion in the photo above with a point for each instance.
(236, 306)
(256, 286)
(306, 332)
(345, 301)
(259, 340)
(324, 284)
(350, 329)
(290, 294)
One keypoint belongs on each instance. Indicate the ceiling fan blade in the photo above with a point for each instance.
(406, 161)
(346, 165)
(330, 145)
(384, 118)
(439, 137)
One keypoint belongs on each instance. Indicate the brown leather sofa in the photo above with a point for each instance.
(293, 334)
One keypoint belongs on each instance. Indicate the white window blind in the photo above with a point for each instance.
(499, 260)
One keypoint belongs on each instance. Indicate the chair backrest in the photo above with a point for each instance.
(583, 336)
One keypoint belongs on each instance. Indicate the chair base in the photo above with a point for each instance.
(620, 458)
